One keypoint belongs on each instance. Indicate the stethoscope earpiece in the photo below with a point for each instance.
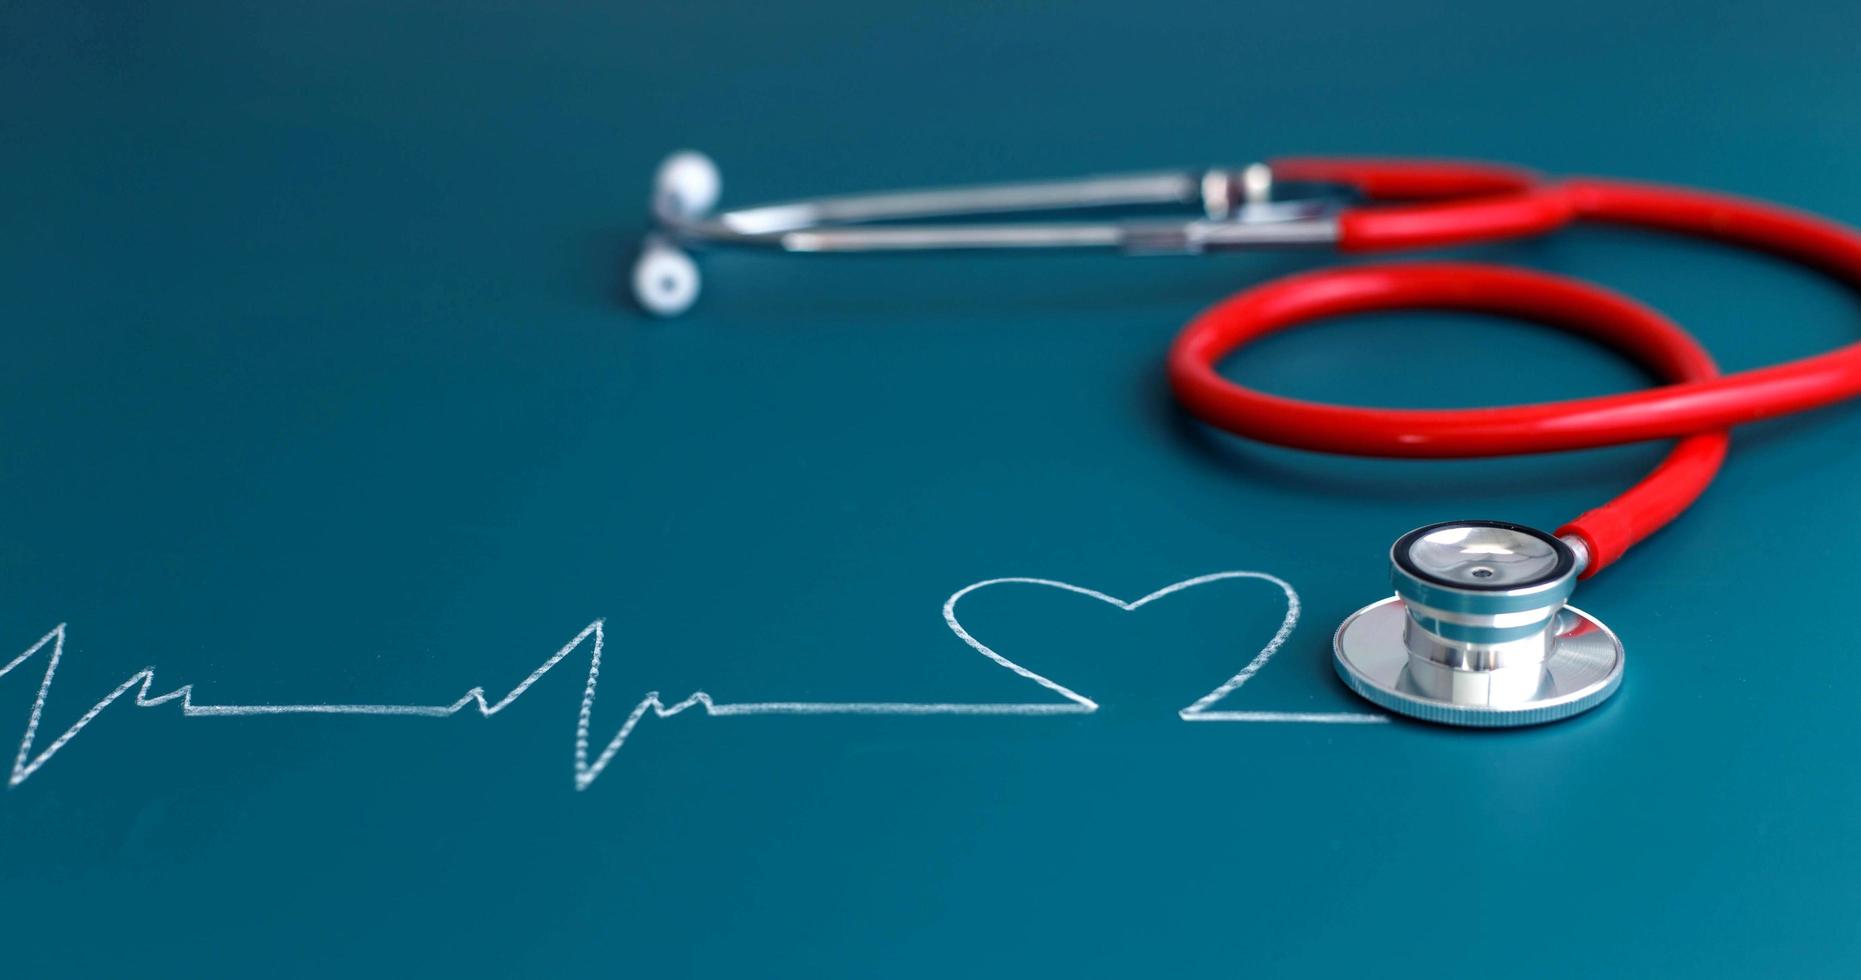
(686, 186)
(1477, 633)
(665, 278)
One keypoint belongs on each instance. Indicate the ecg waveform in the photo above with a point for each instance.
(593, 636)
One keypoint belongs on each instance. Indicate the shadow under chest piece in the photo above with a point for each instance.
(1477, 632)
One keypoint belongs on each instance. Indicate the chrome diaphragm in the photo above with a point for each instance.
(1478, 632)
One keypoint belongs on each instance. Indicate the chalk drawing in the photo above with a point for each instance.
(593, 636)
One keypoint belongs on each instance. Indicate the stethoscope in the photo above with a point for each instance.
(1478, 631)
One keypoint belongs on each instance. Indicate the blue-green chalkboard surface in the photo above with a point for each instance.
(319, 386)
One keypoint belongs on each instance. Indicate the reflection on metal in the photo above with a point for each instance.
(1236, 211)
(1478, 633)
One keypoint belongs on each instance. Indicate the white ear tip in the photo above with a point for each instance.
(687, 184)
(665, 279)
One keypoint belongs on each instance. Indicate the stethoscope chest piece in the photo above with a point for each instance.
(1478, 632)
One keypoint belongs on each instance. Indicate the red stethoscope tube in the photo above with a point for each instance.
(1454, 203)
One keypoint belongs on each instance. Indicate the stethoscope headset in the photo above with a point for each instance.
(1477, 632)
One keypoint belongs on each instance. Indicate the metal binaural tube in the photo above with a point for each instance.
(1237, 212)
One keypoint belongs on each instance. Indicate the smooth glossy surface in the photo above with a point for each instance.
(1481, 593)
(1484, 624)
(1483, 556)
(1582, 669)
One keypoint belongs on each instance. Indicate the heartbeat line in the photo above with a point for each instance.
(142, 682)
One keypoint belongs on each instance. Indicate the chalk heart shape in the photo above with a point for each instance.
(1074, 702)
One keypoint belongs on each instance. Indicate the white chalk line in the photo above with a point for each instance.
(1306, 717)
(26, 763)
(1199, 710)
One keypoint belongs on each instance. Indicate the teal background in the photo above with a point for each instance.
(318, 383)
